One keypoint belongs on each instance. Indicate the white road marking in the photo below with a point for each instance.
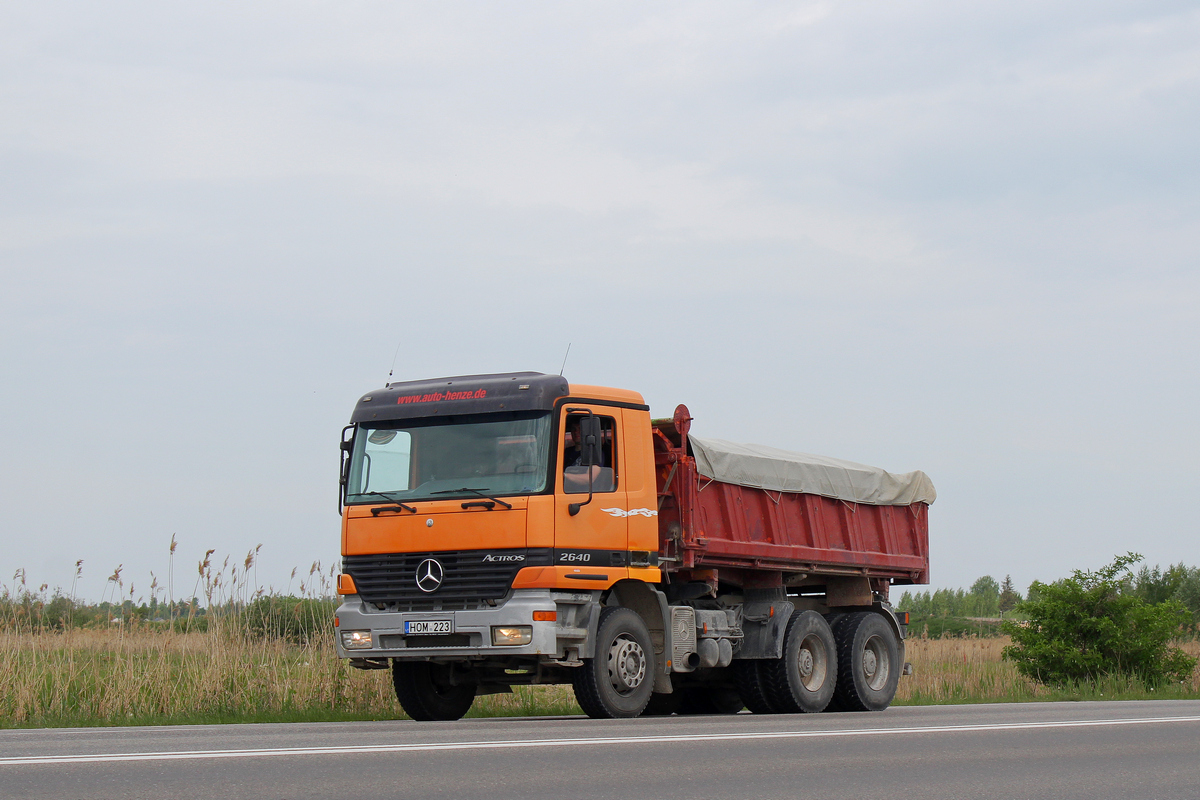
(426, 747)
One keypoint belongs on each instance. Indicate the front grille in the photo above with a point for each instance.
(468, 580)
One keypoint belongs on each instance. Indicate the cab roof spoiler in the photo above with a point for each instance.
(464, 394)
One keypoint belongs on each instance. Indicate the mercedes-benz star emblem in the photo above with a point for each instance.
(429, 575)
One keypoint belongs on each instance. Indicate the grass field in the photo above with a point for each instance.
(970, 670)
(138, 675)
(112, 677)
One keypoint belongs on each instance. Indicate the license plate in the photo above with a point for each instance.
(429, 626)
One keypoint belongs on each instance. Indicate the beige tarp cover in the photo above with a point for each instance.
(764, 467)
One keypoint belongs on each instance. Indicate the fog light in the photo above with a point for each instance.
(356, 640)
(512, 635)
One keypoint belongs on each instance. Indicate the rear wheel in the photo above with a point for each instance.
(426, 693)
(868, 662)
(833, 618)
(618, 682)
(803, 680)
(753, 686)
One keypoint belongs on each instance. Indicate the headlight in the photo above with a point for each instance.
(356, 640)
(512, 635)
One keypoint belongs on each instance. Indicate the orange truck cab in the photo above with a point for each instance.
(501, 530)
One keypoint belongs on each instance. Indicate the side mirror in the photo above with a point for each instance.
(589, 453)
(589, 431)
(346, 447)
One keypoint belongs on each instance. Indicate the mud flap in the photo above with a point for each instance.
(764, 622)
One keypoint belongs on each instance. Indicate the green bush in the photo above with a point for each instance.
(1083, 627)
(189, 624)
(296, 619)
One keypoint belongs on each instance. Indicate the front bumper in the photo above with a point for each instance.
(472, 635)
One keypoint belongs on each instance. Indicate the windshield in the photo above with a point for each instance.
(423, 459)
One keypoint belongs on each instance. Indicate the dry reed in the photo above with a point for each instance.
(252, 656)
(120, 676)
(94, 677)
(114, 677)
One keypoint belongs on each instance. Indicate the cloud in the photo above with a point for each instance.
(957, 238)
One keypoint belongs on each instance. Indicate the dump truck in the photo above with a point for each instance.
(517, 529)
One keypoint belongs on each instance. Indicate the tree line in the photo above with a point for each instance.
(988, 599)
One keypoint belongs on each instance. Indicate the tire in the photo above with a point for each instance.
(752, 684)
(868, 659)
(834, 618)
(618, 682)
(425, 692)
(803, 680)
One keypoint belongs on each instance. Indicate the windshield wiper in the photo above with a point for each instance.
(475, 491)
(386, 496)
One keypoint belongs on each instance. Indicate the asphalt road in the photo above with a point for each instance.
(1046, 750)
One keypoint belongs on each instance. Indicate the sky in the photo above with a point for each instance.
(961, 238)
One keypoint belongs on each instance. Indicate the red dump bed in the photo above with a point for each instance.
(705, 523)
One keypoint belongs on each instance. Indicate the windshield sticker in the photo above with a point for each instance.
(437, 397)
(633, 512)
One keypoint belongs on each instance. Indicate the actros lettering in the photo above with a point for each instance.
(490, 557)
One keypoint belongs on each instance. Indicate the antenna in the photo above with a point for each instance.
(397, 355)
(564, 366)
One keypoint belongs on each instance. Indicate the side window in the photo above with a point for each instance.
(585, 462)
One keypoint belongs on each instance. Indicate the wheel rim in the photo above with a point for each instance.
(626, 664)
(876, 665)
(812, 662)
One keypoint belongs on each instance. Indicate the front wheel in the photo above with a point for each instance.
(426, 693)
(868, 655)
(617, 683)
